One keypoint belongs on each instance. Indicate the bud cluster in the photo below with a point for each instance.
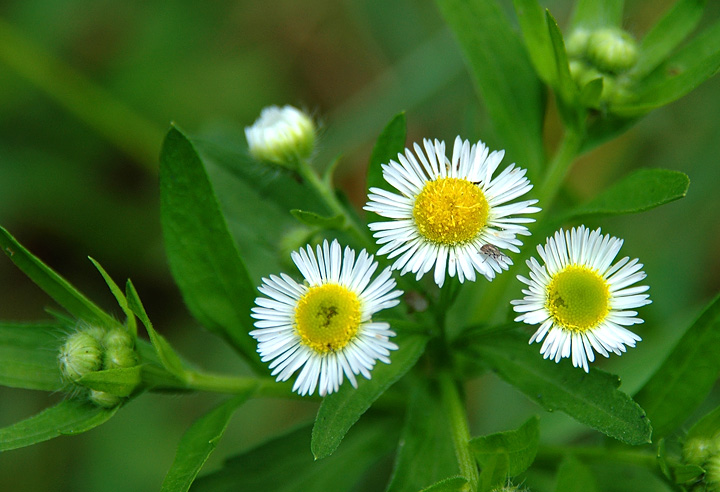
(91, 349)
(605, 53)
(705, 453)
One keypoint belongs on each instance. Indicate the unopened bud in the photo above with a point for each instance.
(698, 450)
(103, 399)
(576, 44)
(281, 136)
(80, 355)
(612, 50)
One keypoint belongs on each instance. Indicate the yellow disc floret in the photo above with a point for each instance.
(450, 211)
(578, 298)
(327, 317)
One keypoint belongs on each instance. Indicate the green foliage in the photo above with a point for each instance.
(573, 476)
(518, 446)
(29, 356)
(684, 379)
(597, 13)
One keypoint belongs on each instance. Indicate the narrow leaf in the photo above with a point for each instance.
(316, 220)
(67, 417)
(592, 399)
(503, 75)
(284, 464)
(566, 87)
(29, 356)
(53, 284)
(118, 382)
(119, 296)
(494, 473)
(537, 39)
(679, 21)
(683, 381)
(170, 359)
(682, 72)
(642, 190)
(203, 257)
(707, 427)
(573, 476)
(426, 452)
(339, 411)
(597, 13)
(198, 442)
(520, 446)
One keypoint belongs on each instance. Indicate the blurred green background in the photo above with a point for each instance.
(88, 88)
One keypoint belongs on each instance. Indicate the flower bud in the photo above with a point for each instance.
(119, 357)
(103, 399)
(281, 136)
(612, 50)
(576, 44)
(698, 450)
(712, 474)
(81, 354)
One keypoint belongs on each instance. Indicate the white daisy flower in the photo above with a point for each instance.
(450, 214)
(325, 326)
(580, 301)
(281, 135)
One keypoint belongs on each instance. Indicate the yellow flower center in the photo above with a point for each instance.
(450, 211)
(578, 298)
(327, 317)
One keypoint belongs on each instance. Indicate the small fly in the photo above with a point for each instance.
(491, 251)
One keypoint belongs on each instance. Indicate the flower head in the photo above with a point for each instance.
(580, 301)
(325, 326)
(281, 135)
(450, 214)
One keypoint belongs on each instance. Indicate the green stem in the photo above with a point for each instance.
(116, 122)
(220, 383)
(557, 169)
(330, 200)
(455, 409)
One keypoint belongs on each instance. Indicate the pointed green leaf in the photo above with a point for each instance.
(503, 75)
(452, 484)
(316, 220)
(597, 13)
(682, 72)
(707, 427)
(118, 382)
(520, 446)
(568, 104)
(538, 44)
(592, 399)
(494, 473)
(573, 476)
(53, 284)
(591, 92)
(198, 442)
(284, 464)
(170, 359)
(686, 376)
(29, 356)
(67, 417)
(641, 190)
(339, 411)
(679, 21)
(203, 257)
(426, 452)
(119, 296)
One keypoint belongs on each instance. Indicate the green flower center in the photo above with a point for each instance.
(327, 317)
(578, 298)
(450, 211)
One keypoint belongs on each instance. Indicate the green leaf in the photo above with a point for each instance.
(642, 190)
(597, 13)
(679, 21)
(284, 464)
(53, 284)
(316, 220)
(452, 484)
(494, 473)
(503, 75)
(169, 358)
(591, 92)
(707, 427)
(426, 452)
(119, 296)
(682, 72)
(198, 442)
(118, 382)
(686, 376)
(67, 417)
(29, 356)
(203, 257)
(339, 411)
(573, 476)
(592, 399)
(389, 144)
(537, 39)
(568, 104)
(520, 446)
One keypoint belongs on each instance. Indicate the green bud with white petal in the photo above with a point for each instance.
(281, 136)
(80, 355)
(612, 50)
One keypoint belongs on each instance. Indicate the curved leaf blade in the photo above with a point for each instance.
(339, 411)
(29, 356)
(597, 13)
(519, 446)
